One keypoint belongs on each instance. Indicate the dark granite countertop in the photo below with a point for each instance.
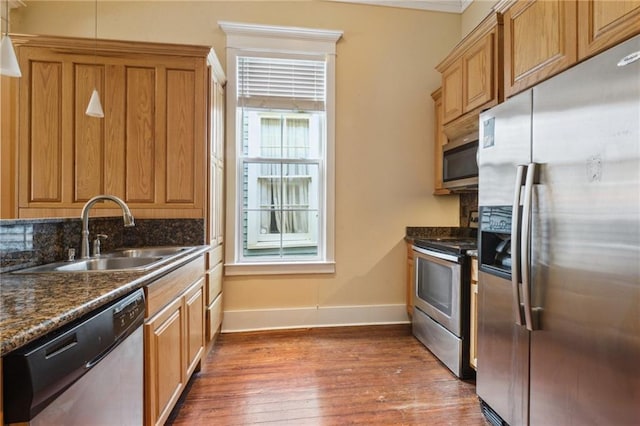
(413, 233)
(32, 305)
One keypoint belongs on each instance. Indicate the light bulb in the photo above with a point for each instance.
(95, 107)
(8, 61)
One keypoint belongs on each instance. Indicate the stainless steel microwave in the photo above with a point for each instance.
(460, 163)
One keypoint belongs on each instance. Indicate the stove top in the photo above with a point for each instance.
(455, 245)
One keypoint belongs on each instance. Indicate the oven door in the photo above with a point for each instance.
(437, 287)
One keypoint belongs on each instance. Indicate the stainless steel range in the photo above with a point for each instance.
(441, 300)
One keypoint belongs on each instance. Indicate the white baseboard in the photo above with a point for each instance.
(327, 316)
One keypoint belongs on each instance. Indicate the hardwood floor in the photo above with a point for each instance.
(329, 376)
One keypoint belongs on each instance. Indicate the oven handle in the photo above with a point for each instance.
(515, 247)
(437, 255)
(525, 246)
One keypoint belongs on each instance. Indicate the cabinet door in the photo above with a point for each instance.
(540, 41)
(43, 152)
(410, 279)
(165, 374)
(185, 135)
(604, 23)
(478, 72)
(216, 160)
(8, 146)
(473, 341)
(452, 91)
(194, 304)
(439, 139)
(1, 411)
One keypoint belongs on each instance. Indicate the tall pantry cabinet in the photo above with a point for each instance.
(215, 218)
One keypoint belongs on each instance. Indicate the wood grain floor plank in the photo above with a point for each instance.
(331, 376)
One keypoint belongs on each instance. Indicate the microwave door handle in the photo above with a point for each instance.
(515, 246)
(525, 246)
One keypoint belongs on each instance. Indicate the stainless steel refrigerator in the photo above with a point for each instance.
(559, 248)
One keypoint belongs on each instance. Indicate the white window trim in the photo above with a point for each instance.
(248, 38)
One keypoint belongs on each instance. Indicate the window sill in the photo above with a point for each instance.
(231, 269)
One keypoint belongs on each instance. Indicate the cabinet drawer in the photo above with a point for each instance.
(165, 289)
(214, 283)
(214, 256)
(214, 317)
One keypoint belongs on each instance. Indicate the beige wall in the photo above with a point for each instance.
(474, 14)
(384, 129)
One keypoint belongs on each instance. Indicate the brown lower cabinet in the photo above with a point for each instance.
(173, 336)
(410, 279)
(213, 295)
(1, 411)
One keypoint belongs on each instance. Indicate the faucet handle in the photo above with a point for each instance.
(97, 243)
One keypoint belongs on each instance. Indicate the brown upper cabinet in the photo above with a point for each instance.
(543, 38)
(604, 23)
(149, 149)
(439, 140)
(471, 73)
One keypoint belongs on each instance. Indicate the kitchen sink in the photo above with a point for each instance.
(126, 259)
(143, 252)
(109, 264)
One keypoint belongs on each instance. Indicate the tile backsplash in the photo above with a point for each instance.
(468, 203)
(31, 242)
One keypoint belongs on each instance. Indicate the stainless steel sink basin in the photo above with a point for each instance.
(97, 264)
(109, 264)
(127, 259)
(148, 252)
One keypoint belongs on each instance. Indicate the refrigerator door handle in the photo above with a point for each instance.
(525, 245)
(515, 247)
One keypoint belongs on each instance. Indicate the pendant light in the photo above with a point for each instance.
(8, 61)
(94, 109)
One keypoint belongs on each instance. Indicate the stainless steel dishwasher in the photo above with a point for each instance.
(89, 372)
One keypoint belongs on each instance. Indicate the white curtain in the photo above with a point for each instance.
(293, 193)
(277, 194)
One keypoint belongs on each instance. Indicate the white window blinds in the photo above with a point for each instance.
(292, 84)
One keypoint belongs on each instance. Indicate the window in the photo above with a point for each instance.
(280, 121)
(281, 200)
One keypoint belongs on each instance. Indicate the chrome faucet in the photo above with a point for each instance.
(126, 216)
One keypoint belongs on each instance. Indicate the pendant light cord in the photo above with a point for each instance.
(95, 33)
(6, 18)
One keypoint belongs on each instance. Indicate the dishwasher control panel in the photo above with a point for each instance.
(128, 313)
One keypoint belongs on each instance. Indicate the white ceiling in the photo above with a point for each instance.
(454, 6)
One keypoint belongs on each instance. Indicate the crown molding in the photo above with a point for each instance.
(273, 38)
(236, 28)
